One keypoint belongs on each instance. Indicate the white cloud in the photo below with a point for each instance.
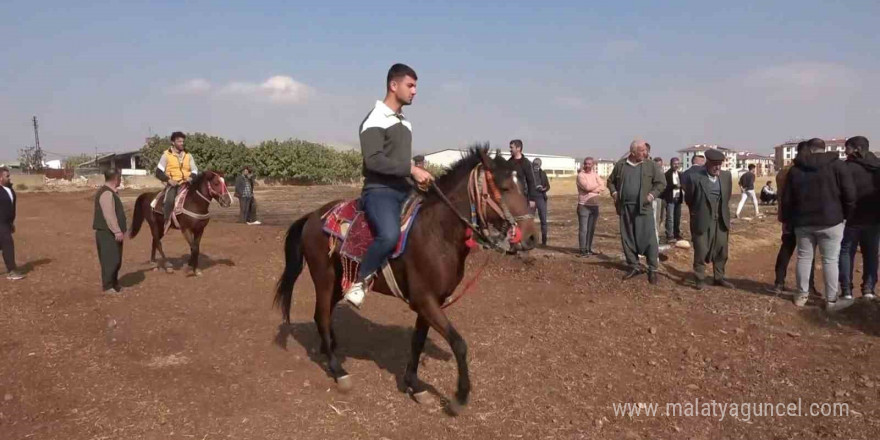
(279, 88)
(196, 86)
(803, 81)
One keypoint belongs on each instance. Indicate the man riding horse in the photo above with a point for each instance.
(175, 168)
(386, 145)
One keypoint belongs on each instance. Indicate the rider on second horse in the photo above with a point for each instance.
(386, 145)
(175, 167)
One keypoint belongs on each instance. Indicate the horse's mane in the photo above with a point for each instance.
(200, 177)
(461, 169)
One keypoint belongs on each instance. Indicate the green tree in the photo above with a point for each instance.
(72, 162)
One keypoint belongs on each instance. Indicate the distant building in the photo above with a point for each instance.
(687, 155)
(128, 163)
(764, 165)
(786, 152)
(603, 167)
(554, 166)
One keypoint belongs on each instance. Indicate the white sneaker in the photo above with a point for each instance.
(355, 294)
(14, 276)
(256, 222)
(838, 305)
(800, 299)
(869, 296)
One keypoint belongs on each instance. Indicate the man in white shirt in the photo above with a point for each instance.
(8, 202)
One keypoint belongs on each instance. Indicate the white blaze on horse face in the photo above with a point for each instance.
(515, 179)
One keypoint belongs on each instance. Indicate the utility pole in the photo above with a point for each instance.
(38, 153)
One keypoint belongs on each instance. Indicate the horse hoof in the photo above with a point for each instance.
(422, 397)
(344, 383)
(456, 408)
(198, 273)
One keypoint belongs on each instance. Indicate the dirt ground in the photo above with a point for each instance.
(553, 344)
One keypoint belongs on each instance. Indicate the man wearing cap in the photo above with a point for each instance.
(707, 197)
(419, 161)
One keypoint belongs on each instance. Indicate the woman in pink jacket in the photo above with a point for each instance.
(589, 185)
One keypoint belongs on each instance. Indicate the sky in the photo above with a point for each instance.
(570, 78)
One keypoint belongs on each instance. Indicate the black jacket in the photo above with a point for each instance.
(525, 177)
(667, 194)
(865, 172)
(818, 191)
(747, 181)
(7, 207)
(543, 182)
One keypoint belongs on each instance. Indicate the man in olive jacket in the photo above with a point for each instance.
(634, 183)
(708, 197)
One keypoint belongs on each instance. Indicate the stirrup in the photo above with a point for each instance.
(354, 295)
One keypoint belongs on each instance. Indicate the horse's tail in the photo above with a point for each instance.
(137, 219)
(293, 266)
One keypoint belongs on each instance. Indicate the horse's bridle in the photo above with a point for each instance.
(484, 195)
(211, 195)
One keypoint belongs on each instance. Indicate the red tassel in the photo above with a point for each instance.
(469, 239)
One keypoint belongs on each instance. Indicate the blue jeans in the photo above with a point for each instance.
(868, 237)
(673, 220)
(382, 207)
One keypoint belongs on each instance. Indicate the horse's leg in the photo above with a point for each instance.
(194, 252)
(411, 377)
(156, 228)
(437, 319)
(190, 239)
(325, 300)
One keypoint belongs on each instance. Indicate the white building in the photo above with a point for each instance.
(687, 155)
(554, 166)
(764, 165)
(785, 153)
(603, 167)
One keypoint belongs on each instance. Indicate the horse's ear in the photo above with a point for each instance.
(487, 161)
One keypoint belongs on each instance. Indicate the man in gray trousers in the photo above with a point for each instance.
(634, 183)
(817, 197)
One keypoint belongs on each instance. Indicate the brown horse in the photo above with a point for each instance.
(432, 264)
(205, 187)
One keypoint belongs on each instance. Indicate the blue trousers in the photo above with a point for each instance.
(868, 237)
(382, 207)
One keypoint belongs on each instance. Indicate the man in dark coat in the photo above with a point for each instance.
(817, 198)
(542, 185)
(862, 228)
(708, 197)
(673, 197)
(634, 183)
(8, 203)
(525, 175)
(244, 190)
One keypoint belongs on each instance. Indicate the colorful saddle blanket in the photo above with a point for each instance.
(348, 224)
(158, 202)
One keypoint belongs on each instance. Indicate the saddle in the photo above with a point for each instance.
(347, 224)
(350, 233)
(158, 204)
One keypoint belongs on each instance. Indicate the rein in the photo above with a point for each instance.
(483, 192)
